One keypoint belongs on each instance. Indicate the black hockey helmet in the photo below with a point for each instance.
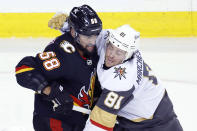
(85, 20)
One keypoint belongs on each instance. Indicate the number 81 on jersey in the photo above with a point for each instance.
(113, 100)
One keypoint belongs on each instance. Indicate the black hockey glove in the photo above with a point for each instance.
(30, 79)
(62, 101)
(33, 80)
(38, 81)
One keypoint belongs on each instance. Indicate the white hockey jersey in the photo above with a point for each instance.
(147, 94)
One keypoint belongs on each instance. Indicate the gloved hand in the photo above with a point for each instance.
(33, 80)
(63, 102)
(57, 21)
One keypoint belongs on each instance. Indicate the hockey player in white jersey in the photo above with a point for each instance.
(132, 94)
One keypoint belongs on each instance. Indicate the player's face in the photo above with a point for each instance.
(114, 55)
(88, 42)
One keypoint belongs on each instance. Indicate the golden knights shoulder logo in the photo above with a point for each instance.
(120, 72)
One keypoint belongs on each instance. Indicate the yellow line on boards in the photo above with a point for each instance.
(149, 24)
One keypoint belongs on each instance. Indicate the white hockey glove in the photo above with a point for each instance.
(57, 21)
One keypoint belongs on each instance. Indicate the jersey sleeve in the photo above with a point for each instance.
(27, 64)
(27, 75)
(43, 65)
(92, 127)
(50, 62)
(103, 115)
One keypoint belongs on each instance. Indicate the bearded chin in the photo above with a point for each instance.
(86, 53)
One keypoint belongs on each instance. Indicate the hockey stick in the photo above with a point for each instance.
(81, 109)
(75, 108)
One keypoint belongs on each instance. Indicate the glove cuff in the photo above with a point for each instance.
(55, 90)
(41, 87)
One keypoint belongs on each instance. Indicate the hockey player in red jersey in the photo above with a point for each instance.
(64, 74)
(131, 93)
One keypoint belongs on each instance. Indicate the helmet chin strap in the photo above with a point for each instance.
(76, 38)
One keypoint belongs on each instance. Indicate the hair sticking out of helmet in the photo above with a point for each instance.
(125, 38)
(85, 20)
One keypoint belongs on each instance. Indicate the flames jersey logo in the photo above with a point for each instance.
(85, 96)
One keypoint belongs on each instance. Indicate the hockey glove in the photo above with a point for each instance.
(62, 101)
(57, 21)
(32, 80)
(38, 80)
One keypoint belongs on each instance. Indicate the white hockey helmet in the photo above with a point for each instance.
(125, 38)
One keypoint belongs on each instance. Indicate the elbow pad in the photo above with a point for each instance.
(28, 77)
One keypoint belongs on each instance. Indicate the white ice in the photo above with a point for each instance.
(173, 59)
